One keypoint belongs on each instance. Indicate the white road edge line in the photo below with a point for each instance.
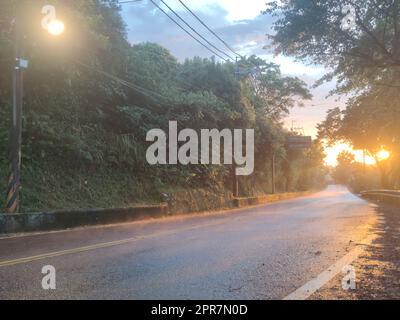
(318, 282)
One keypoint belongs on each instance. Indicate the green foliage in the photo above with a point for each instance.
(91, 97)
(358, 57)
(344, 171)
(365, 62)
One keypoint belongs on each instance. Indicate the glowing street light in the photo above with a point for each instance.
(50, 23)
(56, 27)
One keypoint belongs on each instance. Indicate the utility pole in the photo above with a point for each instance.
(273, 173)
(235, 180)
(54, 27)
(14, 179)
(364, 161)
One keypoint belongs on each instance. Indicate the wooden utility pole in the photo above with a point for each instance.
(235, 180)
(14, 178)
(273, 173)
(364, 161)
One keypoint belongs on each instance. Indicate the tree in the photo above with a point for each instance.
(276, 94)
(344, 170)
(367, 124)
(91, 97)
(363, 59)
(366, 54)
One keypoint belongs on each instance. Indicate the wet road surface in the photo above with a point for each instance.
(264, 252)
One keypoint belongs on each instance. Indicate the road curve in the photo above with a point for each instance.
(263, 252)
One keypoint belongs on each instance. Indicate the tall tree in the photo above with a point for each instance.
(364, 54)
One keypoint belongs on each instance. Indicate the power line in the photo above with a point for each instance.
(131, 1)
(185, 30)
(180, 26)
(148, 93)
(209, 29)
(195, 31)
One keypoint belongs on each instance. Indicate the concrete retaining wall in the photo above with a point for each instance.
(58, 220)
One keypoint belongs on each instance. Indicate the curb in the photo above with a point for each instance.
(66, 219)
(253, 201)
(58, 220)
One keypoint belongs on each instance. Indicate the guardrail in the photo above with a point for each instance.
(391, 197)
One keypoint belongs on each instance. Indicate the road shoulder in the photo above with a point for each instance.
(377, 269)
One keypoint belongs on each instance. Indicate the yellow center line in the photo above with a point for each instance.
(98, 246)
(65, 252)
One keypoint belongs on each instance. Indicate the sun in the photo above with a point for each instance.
(383, 155)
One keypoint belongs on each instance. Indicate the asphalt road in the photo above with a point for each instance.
(264, 252)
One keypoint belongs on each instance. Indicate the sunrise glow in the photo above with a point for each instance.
(334, 151)
(383, 155)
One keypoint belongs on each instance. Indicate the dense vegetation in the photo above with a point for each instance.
(90, 98)
(365, 61)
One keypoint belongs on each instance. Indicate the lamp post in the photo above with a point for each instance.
(54, 27)
(14, 178)
(238, 73)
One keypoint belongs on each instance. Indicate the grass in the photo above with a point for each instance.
(55, 188)
(48, 188)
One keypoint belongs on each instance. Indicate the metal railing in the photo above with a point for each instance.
(385, 196)
(381, 191)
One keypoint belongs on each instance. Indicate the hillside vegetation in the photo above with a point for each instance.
(91, 97)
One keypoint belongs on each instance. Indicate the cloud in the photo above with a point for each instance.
(242, 26)
(146, 23)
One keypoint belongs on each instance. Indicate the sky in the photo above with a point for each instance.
(243, 26)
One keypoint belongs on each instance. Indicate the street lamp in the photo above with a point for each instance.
(54, 27)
